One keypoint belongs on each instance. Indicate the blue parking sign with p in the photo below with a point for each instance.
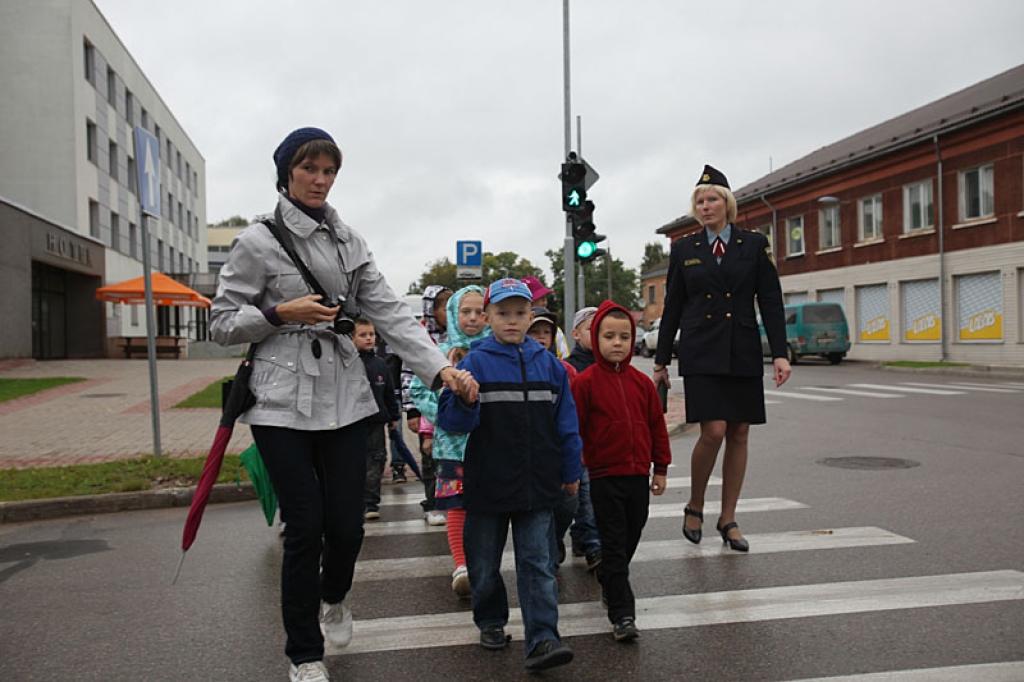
(469, 253)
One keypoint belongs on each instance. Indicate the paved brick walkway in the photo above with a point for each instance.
(107, 416)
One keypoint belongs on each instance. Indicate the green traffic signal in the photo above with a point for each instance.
(584, 250)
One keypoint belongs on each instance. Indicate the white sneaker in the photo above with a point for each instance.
(460, 582)
(435, 518)
(372, 514)
(314, 671)
(336, 623)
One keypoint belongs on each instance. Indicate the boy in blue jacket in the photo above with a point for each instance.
(523, 451)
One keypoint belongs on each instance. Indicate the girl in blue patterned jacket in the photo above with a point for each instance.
(466, 324)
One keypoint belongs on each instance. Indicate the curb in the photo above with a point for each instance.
(56, 507)
(991, 371)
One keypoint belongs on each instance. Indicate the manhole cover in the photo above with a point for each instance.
(869, 463)
(102, 395)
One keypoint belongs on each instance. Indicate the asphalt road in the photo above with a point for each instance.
(852, 571)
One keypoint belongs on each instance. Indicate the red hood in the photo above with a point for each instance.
(602, 310)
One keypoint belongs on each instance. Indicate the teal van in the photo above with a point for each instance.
(814, 329)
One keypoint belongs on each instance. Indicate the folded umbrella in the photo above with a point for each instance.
(400, 451)
(237, 399)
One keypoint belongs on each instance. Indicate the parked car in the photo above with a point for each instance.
(650, 339)
(813, 329)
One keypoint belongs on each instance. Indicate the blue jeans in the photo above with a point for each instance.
(584, 527)
(533, 536)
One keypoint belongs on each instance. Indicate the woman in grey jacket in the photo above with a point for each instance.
(310, 387)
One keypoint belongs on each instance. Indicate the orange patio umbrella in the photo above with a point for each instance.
(166, 291)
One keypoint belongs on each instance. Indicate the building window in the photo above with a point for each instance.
(112, 159)
(130, 180)
(918, 209)
(129, 107)
(170, 155)
(178, 169)
(170, 208)
(979, 300)
(133, 240)
(922, 311)
(170, 253)
(977, 193)
(795, 236)
(766, 230)
(144, 118)
(89, 57)
(94, 219)
(195, 182)
(115, 232)
(90, 140)
(188, 221)
(872, 313)
(869, 224)
(111, 87)
(181, 221)
(828, 227)
(188, 175)
(160, 255)
(796, 298)
(156, 132)
(651, 294)
(181, 262)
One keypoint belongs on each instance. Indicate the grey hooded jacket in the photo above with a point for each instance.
(293, 388)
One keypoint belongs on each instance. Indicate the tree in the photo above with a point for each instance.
(654, 257)
(624, 282)
(233, 221)
(496, 265)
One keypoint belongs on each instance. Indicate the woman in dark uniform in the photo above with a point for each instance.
(713, 277)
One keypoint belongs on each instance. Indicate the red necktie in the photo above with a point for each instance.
(718, 249)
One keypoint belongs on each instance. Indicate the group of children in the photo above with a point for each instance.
(509, 451)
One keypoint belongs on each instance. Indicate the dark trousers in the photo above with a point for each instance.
(620, 506)
(376, 459)
(318, 477)
(429, 470)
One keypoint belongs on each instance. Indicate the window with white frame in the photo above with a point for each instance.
(795, 236)
(977, 193)
(918, 209)
(869, 214)
(829, 236)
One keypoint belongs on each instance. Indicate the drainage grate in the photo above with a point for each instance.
(869, 463)
(102, 395)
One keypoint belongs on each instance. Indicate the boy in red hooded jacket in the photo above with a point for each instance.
(623, 431)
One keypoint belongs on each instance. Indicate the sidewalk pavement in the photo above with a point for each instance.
(107, 417)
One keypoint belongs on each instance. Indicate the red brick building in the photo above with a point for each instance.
(877, 220)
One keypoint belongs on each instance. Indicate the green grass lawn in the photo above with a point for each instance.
(126, 475)
(18, 388)
(917, 363)
(208, 397)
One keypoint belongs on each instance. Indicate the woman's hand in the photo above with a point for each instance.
(571, 489)
(461, 383)
(660, 375)
(306, 310)
(782, 371)
(658, 484)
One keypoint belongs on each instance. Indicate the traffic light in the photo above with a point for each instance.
(574, 193)
(584, 234)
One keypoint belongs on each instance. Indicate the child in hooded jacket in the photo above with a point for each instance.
(466, 324)
(623, 431)
(435, 320)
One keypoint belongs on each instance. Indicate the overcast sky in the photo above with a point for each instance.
(450, 113)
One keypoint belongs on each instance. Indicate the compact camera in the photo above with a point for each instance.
(343, 324)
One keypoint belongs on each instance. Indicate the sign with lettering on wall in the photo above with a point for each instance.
(980, 307)
(922, 316)
(873, 313)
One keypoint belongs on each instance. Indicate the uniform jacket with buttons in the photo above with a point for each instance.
(712, 306)
(293, 387)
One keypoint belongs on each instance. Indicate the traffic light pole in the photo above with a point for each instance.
(568, 250)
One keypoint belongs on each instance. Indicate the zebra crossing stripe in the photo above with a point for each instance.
(908, 389)
(655, 550)
(963, 387)
(847, 391)
(1004, 387)
(752, 505)
(713, 608)
(1009, 671)
(398, 499)
(802, 396)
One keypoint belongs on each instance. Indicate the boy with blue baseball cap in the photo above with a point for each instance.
(522, 456)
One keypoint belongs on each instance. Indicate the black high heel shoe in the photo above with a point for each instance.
(693, 536)
(736, 545)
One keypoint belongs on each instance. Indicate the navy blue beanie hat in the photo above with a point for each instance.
(285, 151)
